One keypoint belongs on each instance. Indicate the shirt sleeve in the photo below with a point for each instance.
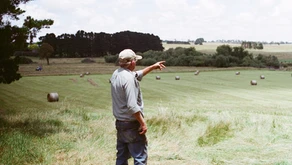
(131, 87)
(139, 75)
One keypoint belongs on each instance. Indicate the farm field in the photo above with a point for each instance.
(282, 51)
(215, 117)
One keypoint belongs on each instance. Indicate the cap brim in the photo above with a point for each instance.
(138, 57)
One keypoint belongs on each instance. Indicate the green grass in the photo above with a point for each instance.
(215, 134)
(216, 117)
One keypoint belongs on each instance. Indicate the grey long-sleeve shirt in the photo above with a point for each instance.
(126, 94)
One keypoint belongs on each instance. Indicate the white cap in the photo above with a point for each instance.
(129, 54)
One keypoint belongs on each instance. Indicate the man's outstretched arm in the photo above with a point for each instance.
(158, 65)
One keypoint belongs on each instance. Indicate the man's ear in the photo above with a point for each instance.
(132, 61)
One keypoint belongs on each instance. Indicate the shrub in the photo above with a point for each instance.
(221, 61)
(148, 61)
(24, 60)
(153, 54)
(185, 60)
(198, 61)
(88, 60)
(285, 65)
(171, 61)
(111, 58)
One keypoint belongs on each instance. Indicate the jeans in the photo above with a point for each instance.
(130, 143)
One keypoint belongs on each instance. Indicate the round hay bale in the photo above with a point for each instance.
(157, 77)
(81, 75)
(253, 82)
(177, 77)
(262, 77)
(52, 97)
(197, 72)
(237, 73)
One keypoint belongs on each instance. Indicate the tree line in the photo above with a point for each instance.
(89, 44)
(225, 56)
(252, 45)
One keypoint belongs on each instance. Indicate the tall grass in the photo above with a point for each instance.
(216, 117)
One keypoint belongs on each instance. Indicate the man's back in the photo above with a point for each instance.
(126, 95)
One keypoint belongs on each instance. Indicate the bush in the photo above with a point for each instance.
(24, 60)
(111, 58)
(148, 61)
(152, 54)
(221, 61)
(171, 61)
(26, 53)
(184, 60)
(88, 60)
(285, 65)
(198, 61)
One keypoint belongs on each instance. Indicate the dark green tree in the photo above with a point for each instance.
(13, 38)
(46, 50)
(225, 50)
(221, 61)
(260, 46)
(199, 41)
(34, 26)
(239, 52)
(248, 61)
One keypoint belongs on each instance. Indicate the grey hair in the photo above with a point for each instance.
(124, 63)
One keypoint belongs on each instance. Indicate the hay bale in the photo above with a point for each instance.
(197, 72)
(262, 77)
(177, 77)
(52, 97)
(253, 82)
(157, 77)
(237, 73)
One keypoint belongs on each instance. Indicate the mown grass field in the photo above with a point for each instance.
(216, 117)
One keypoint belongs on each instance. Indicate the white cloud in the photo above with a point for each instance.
(170, 19)
(125, 3)
(38, 12)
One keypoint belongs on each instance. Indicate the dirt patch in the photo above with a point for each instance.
(92, 82)
(73, 79)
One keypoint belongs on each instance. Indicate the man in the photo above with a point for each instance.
(127, 103)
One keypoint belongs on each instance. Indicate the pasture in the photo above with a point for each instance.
(282, 51)
(215, 117)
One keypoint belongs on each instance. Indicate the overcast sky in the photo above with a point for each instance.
(251, 20)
